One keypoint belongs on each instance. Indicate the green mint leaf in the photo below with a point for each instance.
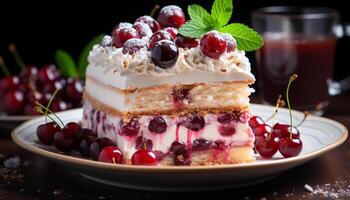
(193, 29)
(83, 62)
(198, 14)
(247, 39)
(221, 10)
(66, 64)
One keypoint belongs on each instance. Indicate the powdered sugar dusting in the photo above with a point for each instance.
(171, 10)
(337, 190)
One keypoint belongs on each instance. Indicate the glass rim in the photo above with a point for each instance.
(295, 12)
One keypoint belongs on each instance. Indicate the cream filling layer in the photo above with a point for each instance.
(116, 99)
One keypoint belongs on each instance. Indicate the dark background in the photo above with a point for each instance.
(38, 29)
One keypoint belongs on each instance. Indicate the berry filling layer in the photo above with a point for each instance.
(174, 138)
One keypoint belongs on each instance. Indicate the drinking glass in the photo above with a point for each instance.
(298, 41)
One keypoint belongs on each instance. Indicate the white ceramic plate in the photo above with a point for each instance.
(10, 122)
(319, 135)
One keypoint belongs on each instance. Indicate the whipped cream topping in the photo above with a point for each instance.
(189, 60)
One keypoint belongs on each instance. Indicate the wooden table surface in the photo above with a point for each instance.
(38, 178)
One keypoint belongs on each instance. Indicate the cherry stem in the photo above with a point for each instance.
(279, 103)
(51, 100)
(113, 159)
(154, 10)
(4, 67)
(38, 110)
(306, 114)
(12, 48)
(47, 114)
(291, 79)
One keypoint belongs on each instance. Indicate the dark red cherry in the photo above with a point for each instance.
(29, 109)
(213, 44)
(97, 146)
(290, 147)
(30, 72)
(186, 42)
(48, 73)
(73, 90)
(13, 102)
(111, 154)
(164, 54)
(121, 35)
(283, 131)
(9, 83)
(231, 42)
(220, 144)
(194, 122)
(144, 157)
(86, 138)
(67, 138)
(50, 87)
(143, 143)
(173, 31)
(262, 129)
(225, 118)
(143, 29)
(58, 105)
(255, 121)
(176, 146)
(157, 125)
(152, 23)
(171, 16)
(227, 129)
(158, 36)
(133, 45)
(182, 157)
(265, 146)
(33, 96)
(130, 128)
(46, 132)
(201, 144)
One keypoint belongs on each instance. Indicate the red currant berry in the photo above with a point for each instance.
(152, 23)
(133, 45)
(186, 42)
(213, 44)
(121, 35)
(171, 16)
(158, 36)
(173, 31)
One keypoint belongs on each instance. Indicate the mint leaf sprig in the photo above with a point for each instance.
(201, 22)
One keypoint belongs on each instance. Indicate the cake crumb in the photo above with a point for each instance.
(308, 188)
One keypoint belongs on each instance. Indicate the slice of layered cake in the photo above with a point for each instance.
(184, 99)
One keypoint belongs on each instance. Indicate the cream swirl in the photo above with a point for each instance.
(189, 60)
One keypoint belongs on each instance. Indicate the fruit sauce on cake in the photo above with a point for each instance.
(161, 93)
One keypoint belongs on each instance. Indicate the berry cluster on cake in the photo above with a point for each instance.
(182, 97)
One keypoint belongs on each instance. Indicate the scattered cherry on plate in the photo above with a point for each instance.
(144, 157)
(111, 154)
